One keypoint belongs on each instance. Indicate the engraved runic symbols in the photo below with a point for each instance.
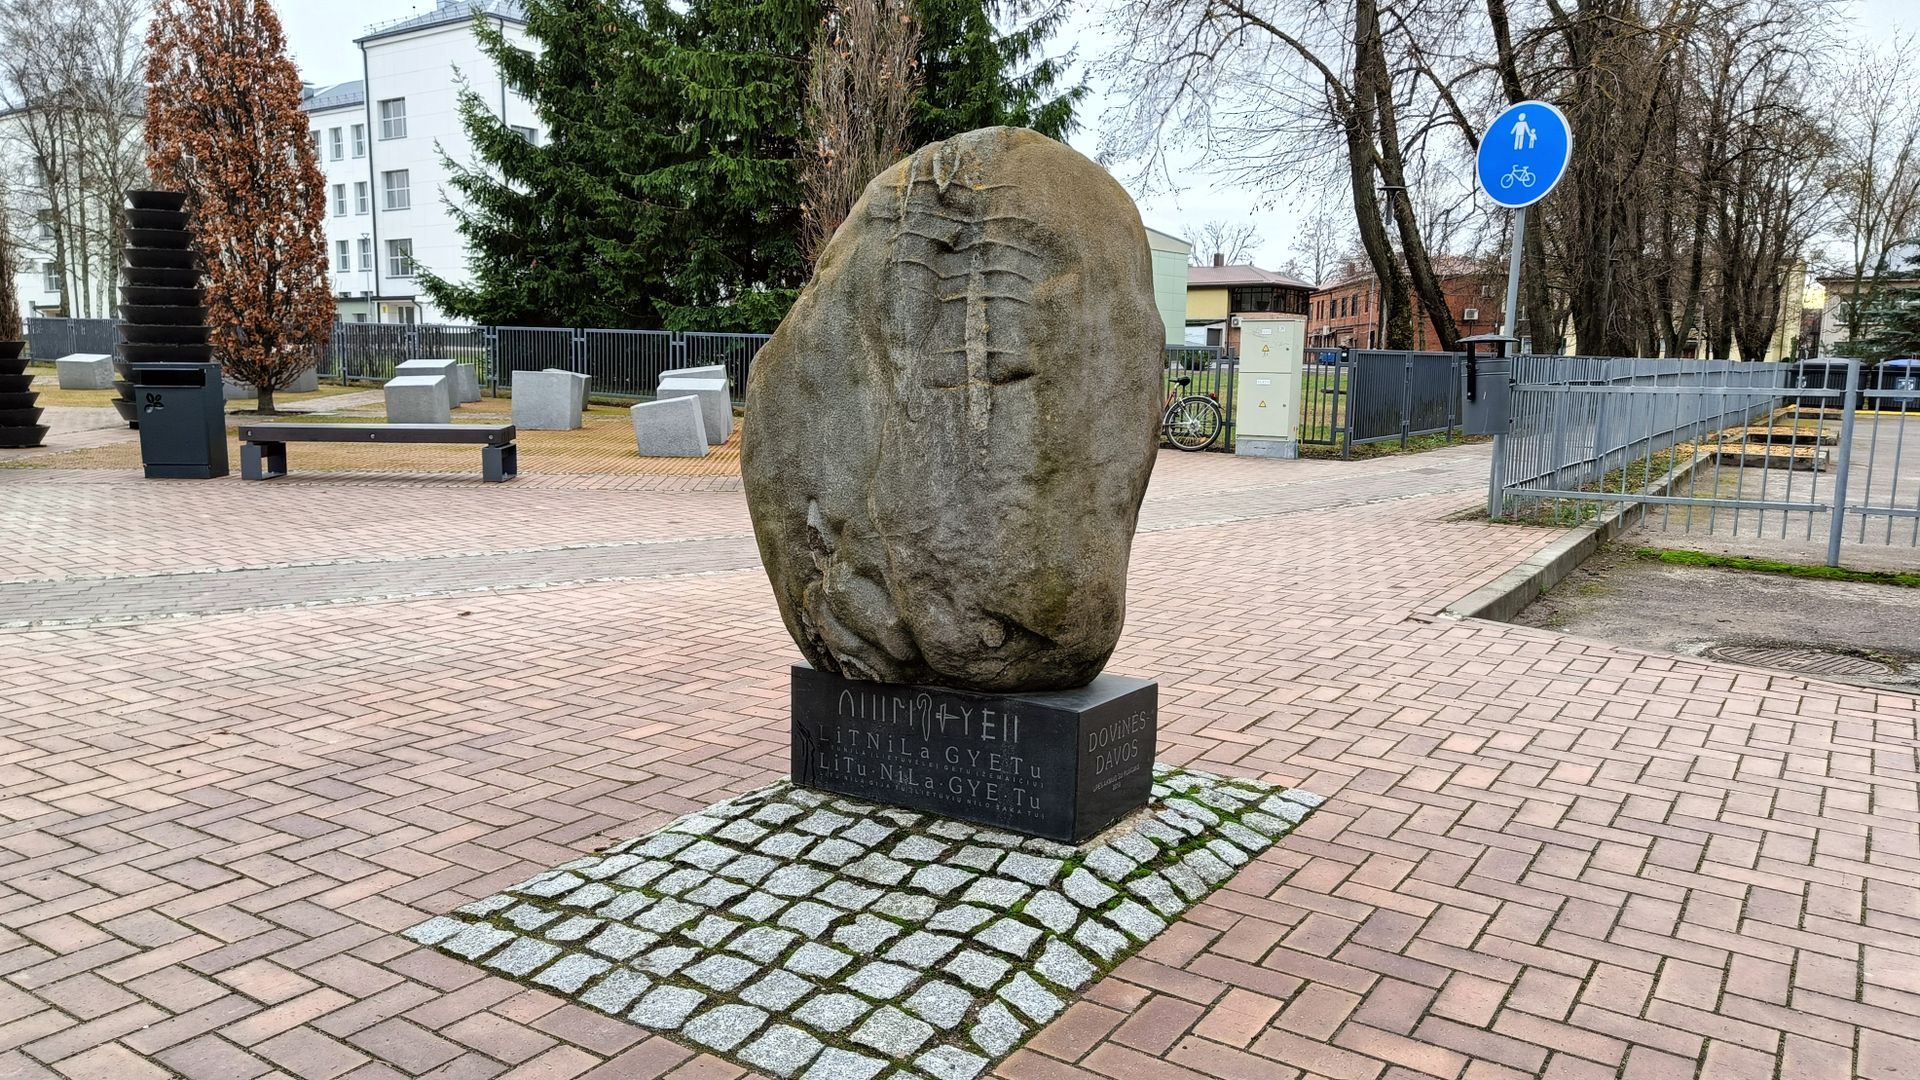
(964, 276)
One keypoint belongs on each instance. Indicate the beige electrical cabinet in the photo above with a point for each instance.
(1267, 400)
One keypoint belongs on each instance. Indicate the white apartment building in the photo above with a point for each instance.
(380, 141)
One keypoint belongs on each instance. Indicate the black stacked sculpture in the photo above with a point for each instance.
(162, 314)
(20, 424)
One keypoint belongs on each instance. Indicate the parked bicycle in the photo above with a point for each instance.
(1191, 421)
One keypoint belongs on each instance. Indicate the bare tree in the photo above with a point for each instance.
(1875, 171)
(860, 100)
(1292, 94)
(71, 74)
(1320, 243)
(9, 265)
(1233, 243)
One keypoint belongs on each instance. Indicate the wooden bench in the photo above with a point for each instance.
(263, 450)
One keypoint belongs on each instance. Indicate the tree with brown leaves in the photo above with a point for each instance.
(224, 125)
(9, 297)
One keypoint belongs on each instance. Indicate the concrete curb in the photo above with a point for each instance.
(1505, 596)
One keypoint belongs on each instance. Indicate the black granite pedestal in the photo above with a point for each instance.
(1060, 764)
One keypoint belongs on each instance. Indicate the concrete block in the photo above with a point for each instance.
(466, 384)
(85, 371)
(669, 427)
(417, 399)
(235, 391)
(580, 382)
(447, 369)
(708, 371)
(546, 400)
(716, 405)
(1249, 446)
(305, 383)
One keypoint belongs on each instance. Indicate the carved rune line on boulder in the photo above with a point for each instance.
(950, 434)
(942, 231)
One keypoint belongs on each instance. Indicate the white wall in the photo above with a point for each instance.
(345, 172)
(421, 68)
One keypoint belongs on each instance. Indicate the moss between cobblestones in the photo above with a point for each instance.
(1174, 827)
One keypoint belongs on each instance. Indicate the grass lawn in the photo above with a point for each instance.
(1683, 557)
(1388, 448)
(48, 387)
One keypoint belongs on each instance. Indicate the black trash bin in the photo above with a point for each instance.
(1897, 385)
(1486, 385)
(1822, 373)
(183, 420)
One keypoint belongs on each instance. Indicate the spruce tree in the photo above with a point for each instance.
(1894, 329)
(1892, 323)
(743, 67)
(666, 190)
(972, 75)
(568, 231)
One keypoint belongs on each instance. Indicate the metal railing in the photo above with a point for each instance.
(368, 352)
(51, 338)
(623, 364)
(1350, 398)
(1210, 373)
(1738, 452)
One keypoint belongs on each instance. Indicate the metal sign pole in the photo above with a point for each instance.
(1522, 155)
(1513, 273)
(1496, 481)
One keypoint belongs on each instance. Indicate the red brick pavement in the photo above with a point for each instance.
(1544, 856)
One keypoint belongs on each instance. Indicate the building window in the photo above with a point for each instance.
(1251, 298)
(359, 316)
(360, 198)
(366, 254)
(336, 145)
(49, 277)
(342, 257)
(339, 200)
(531, 136)
(399, 258)
(316, 142)
(359, 140)
(395, 195)
(393, 118)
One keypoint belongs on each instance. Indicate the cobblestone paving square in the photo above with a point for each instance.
(711, 992)
(378, 699)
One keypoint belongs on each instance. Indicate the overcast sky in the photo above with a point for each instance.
(321, 34)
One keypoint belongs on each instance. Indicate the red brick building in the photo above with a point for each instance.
(1220, 297)
(1347, 313)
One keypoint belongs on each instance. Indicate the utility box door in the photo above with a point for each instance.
(1268, 397)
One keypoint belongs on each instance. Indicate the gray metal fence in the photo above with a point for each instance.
(1211, 373)
(622, 363)
(50, 338)
(367, 352)
(1354, 397)
(1737, 453)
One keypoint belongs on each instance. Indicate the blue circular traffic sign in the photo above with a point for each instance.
(1523, 153)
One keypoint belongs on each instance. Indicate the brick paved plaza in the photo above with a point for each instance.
(249, 733)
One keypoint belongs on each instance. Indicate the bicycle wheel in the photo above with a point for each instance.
(1193, 423)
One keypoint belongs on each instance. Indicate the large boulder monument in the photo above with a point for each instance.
(946, 445)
